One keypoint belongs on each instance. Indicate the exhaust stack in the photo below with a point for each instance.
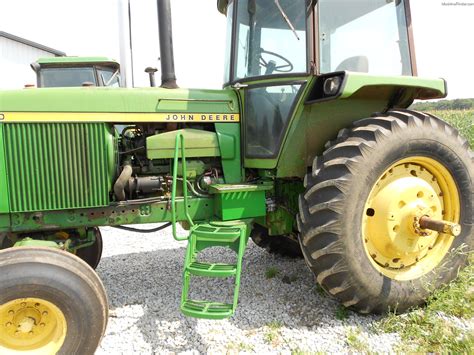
(168, 76)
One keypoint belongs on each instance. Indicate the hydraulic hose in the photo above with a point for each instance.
(138, 230)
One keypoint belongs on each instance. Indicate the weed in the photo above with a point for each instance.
(238, 347)
(274, 325)
(319, 290)
(271, 272)
(354, 341)
(341, 312)
(270, 337)
(429, 329)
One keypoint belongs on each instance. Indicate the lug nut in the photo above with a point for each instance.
(10, 313)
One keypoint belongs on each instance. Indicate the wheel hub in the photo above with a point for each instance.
(31, 324)
(392, 234)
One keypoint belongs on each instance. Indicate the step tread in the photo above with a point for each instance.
(208, 310)
(212, 269)
(217, 233)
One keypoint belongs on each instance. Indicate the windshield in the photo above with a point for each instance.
(109, 77)
(270, 38)
(367, 36)
(67, 77)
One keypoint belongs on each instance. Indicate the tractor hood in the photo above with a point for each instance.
(106, 105)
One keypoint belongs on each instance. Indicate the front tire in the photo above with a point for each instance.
(50, 302)
(358, 214)
(92, 254)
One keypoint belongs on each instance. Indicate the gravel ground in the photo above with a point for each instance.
(285, 314)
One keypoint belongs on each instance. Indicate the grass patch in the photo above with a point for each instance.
(239, 347)
(429, 329)
(298, 351)
(272, 336)
(271, 272)
(341, 312)
(319, 290)
(355, 342)
(274, 325)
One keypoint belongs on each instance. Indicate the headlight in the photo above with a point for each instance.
(332, 85)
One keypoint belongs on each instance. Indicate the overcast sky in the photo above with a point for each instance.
(443, 36)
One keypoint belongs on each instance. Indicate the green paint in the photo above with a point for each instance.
(283, 221)
(4, 191)
(29, 242)
(424, 88)
(315, 124)
(115, 215)
(104, 99)
(180, 148)
(77, 60)
(232, 235)
(239, 201)
(58, 166)
(199, 143)
(228, 135)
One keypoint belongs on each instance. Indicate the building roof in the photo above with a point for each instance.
(31, 44)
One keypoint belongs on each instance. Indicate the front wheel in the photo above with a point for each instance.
(50, 302)
(361, 216)
(92, 254)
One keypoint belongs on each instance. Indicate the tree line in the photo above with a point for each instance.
(457, 104)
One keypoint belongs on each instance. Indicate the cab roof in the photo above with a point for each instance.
(55, 61)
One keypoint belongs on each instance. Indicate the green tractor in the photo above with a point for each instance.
(76, 71)
(309, 149)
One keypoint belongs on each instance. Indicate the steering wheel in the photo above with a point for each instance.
(271, 66)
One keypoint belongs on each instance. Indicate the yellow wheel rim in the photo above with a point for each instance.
(408, 190)
(31, 325)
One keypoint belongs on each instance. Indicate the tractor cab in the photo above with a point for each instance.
(277, 49)
(269, 39)
(76, 71)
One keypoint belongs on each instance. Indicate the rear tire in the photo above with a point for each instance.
(342, 221)
(50, 299)
(281, 245)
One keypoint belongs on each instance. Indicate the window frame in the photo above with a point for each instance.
(310, 44)
(411, 41)
(293, 108)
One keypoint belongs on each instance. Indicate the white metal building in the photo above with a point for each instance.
(16, 55)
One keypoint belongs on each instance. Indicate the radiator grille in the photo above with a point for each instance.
(54, 166)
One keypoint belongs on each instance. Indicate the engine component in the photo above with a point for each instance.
(144, 185)
(119, 186)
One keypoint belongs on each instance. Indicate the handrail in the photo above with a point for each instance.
(179, 139)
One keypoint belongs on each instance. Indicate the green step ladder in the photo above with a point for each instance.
(233, 235)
